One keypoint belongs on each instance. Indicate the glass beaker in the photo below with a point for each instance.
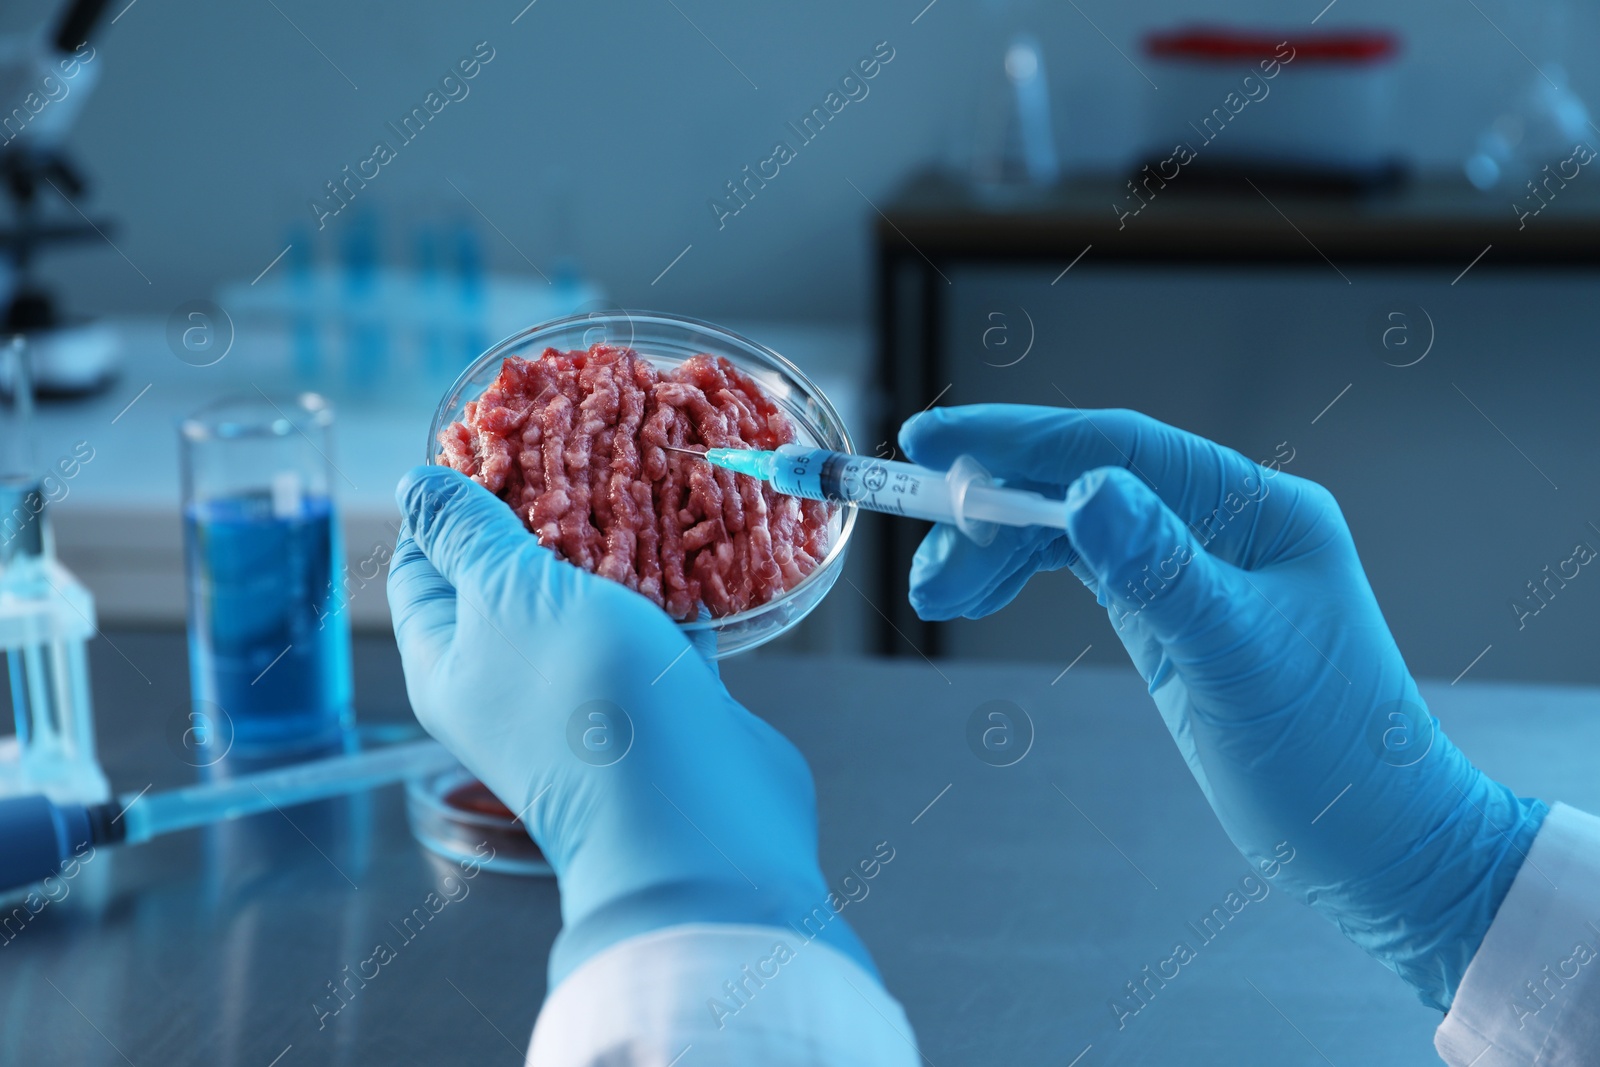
(269, 639)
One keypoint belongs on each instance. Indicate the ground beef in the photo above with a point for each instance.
(573, 442)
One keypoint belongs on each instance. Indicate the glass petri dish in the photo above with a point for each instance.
(452, 814)
(666, 341)
(455, 816)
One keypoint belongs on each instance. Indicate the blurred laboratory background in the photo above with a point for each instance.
(581, 168)
(248, 247)
(222, 150)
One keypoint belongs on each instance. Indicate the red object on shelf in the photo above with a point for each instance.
(1215, 44)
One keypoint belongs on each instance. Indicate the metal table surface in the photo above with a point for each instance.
(1019, 900)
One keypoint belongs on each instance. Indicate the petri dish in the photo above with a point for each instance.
(666, 341)
(455, 816)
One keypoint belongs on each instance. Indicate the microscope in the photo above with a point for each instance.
(46, 77)
(47, 616)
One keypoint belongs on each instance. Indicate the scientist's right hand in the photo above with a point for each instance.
(657, 798)
(1237, 591)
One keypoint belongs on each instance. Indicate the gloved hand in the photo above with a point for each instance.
(1237, 591)
(657, 798)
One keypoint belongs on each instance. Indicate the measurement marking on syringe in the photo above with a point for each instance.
(893, 488)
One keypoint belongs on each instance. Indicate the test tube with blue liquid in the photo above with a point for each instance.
(269, 639)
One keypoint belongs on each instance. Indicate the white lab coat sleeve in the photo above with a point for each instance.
(734, 995)
(1532, 992)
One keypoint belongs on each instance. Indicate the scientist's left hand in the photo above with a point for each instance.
(657, 798)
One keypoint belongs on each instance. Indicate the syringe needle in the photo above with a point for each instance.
(685, 451)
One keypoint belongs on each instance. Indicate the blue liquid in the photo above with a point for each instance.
(269, 639)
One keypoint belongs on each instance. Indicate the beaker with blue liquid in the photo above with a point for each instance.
(269, 638)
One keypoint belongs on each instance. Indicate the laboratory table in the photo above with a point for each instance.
(1019, 902)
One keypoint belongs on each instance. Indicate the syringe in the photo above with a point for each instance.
(964, 496)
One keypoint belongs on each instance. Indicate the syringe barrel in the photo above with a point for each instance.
(873, 484)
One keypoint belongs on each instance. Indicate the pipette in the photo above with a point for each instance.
(37, 836)
(964, 496)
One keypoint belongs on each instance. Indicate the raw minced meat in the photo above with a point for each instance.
(573, 442)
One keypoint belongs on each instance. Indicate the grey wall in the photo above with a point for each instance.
(215, 123)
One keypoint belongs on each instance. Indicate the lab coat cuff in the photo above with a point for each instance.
(1532, 992)
(735, 994)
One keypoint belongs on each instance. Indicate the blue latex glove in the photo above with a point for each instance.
(709, 815)
(1237, 591)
